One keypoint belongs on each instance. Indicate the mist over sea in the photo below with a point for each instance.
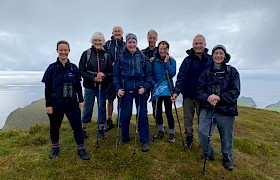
(20, 88)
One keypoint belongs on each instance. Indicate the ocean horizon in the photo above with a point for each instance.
(20, 88)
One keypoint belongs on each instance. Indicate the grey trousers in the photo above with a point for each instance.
(190, 106)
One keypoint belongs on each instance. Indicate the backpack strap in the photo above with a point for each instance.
(88, 55)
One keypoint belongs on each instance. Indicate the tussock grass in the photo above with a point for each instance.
(24, 154)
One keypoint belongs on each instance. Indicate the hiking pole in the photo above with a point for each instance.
(119, 119)
(98, 119)
(99, 100)
(171, 91)
(155, 132)
(136, 126)
(208, 142)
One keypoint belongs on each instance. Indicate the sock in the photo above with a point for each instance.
(172, 131)
(81, 146)
(160, 127)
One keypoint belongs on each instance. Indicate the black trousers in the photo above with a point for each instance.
(73, 113)
(168, 111)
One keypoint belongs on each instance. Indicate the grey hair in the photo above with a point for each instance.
(151, 31)
(98, 35)
(199, 35)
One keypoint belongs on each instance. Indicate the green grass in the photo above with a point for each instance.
(24, 154)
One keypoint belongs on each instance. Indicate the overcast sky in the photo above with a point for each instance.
(29, 29)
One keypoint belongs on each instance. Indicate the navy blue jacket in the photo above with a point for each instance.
(189, 72)
(114, 47)
(131, 71)
(148, 52)
(54, 78)
(89, 68)
(229, 89)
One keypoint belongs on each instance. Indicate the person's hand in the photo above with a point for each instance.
(141, 90)
(213, 99)
(81, 105)
(96, 79)
(121, 92)
(166, 58)
(152, 59)
(100, 75)
(174, 97)
(49, 110)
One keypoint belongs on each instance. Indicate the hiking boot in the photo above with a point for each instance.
(85, 134)
(189, 142)
(83, 155)
(160, 135)
(54, 153)
(171, 138)
(101, 134)
(228, 166)
(109, 125)
(145, 147)
(209, 158)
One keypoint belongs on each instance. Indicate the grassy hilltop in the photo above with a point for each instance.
(24, 153)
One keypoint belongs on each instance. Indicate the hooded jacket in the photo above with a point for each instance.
(114, 47)
(225, 83)
(132, 71)
(189, 73)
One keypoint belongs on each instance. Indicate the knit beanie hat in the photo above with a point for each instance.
(131, 36)
(225, 51)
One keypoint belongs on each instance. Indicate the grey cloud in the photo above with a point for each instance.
(30, 29)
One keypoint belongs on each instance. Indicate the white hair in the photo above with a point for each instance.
(98, 35)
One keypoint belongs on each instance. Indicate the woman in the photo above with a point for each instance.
(62, 87)
(96, 69)
(132, 78)
(218, 90)
(164, 70)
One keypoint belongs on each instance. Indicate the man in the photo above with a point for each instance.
(113, 48)
(218, 89)
(191, 68)
(132, 78)
(152, 38)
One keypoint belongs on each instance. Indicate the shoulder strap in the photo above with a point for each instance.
(88, 55)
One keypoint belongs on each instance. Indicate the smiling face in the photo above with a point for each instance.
(63, 51)
(152, 39)
(219, 57)
(131, 45)
(117, 33)
(97, 43)
(199, 45)
(163, 50)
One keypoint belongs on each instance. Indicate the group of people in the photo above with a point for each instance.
(118, 68)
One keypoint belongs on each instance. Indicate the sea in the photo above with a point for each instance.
(20, 88)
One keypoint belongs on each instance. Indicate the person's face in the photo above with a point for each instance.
(219, 56)
(131, 45)
(97, 43)
(117, 33)
(63, 51)
(152, 39)
(199, 45)
(163, 50)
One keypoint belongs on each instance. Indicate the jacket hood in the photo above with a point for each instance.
(191, 52)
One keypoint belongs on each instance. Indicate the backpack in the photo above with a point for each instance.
(89, 54)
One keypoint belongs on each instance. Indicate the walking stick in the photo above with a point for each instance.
(136, 126)
(99, 101)
(154, 137)
(119, 119)
(98, 119)
(208, 143)
(171, 91)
